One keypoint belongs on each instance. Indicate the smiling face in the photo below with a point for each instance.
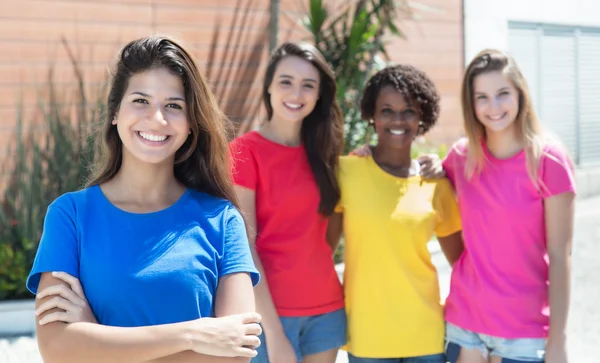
(396, 120)
(294, 90)
(496, 101)
(152, 120)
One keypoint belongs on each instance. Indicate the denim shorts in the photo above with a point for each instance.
(511, 350)
(434, 358)
(309, 334)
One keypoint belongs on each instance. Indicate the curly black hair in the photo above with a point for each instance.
(414, 84)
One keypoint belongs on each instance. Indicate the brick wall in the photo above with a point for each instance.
(31, 32)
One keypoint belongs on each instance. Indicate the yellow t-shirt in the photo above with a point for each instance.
(391, 286)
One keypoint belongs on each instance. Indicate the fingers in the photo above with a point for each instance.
(57, 302)
(72, 281)
(253, 329)
(245, 352)
(251, 341)
(61, 290)
(56, 316)
(249, 318)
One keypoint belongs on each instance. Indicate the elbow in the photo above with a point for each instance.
(54, 350)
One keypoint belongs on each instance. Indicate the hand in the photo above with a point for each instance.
(280, 350)
(362, 151)
(431, 166)
(556, 351)
(229, 336)
(70, 299)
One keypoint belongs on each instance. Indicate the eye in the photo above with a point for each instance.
(409, 113)
(285, 82)
(386, 111)
(309, 85)
(504, 93)
(480, 97)
(140, 100)
(175, 106)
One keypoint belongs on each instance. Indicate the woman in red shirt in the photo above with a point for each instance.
(286, 183)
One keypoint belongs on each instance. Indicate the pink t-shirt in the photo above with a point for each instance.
(499, 285)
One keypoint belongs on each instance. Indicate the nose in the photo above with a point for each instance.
(157, 116)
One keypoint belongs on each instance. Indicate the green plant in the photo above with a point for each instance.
(51, 158)
(352, 42)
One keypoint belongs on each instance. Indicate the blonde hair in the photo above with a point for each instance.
(529, 129)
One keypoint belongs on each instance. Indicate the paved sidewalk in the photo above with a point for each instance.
(584, 321)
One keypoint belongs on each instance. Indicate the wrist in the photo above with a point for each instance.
(189, 335)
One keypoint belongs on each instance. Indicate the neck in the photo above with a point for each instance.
(392, 158)
(282, 132)
(503, 144)
(142, 184)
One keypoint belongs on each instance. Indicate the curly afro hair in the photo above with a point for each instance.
(414, 84)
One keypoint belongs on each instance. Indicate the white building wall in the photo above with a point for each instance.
(486, 21)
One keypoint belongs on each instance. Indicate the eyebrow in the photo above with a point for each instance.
(148, 96)
(501, 89)
(290, 77)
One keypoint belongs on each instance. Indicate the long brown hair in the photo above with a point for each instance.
(202, 163)
(529, 129)
(322, 131)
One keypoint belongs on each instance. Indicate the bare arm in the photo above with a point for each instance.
(218, 337)
(559, 214)
(334, 230)
(264, 302)
(235, 295)
(452, 247)
(78, 342)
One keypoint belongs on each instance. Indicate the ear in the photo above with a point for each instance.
(114, 121)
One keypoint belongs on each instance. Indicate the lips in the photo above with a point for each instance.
(497, 118)
(148, 136)
(397, 132)
(293, 106)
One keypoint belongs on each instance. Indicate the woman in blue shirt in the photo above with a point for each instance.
(150, 262)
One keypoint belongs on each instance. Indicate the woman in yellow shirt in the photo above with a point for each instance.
(388, 213)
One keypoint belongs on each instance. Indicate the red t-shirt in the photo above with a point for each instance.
(291, 233)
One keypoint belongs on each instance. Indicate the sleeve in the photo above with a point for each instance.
(236, 249)
(58, 248)
(557, 172)
(244, 170)
(446, 208)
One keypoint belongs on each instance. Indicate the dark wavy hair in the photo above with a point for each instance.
(202, 163)
(322, 131)
(413, 83)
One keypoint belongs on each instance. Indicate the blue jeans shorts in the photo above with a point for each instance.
(309, 334)
(510, 350)
(434, 358)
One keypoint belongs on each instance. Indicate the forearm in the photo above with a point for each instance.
(193, 357)
(94, 343)
(264, 302)
(559, 295)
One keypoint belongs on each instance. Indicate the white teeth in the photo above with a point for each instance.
(397, 132)
(292, 105)
(496, 118)
(152, 137)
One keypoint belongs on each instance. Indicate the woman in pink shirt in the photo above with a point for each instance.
(516, 195)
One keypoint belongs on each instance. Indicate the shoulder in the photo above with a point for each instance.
(72, 201)
(206, 205)
(459, 149)
(554, 153)
(443, 187)
(245, 142)
(350, 162)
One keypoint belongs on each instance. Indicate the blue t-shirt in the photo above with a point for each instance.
(144, 269)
